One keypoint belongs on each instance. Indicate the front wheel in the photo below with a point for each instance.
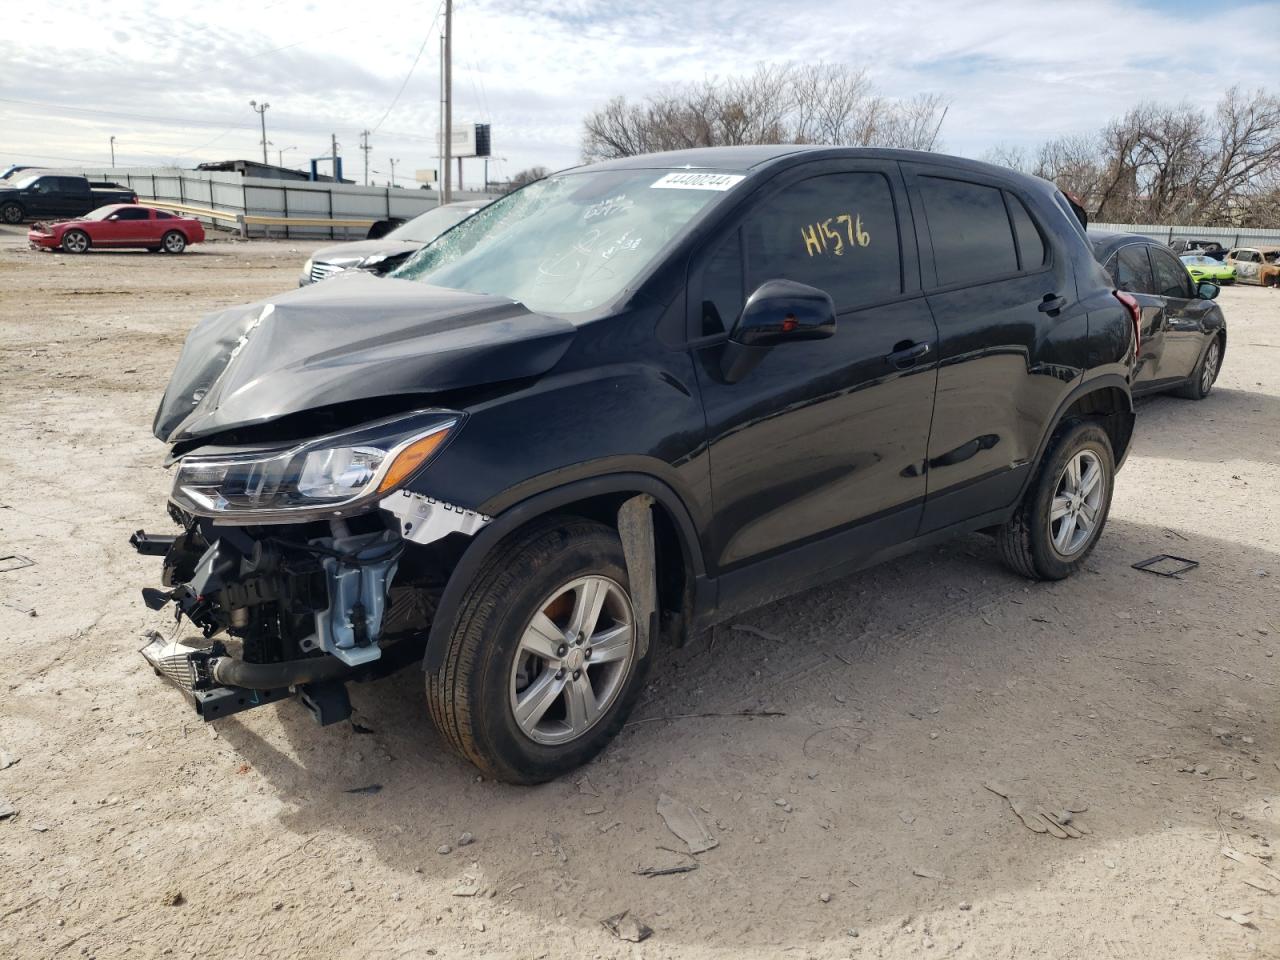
(75, 241)
(1062, 514)
(173, 242)
(543, 664)
(11, 213)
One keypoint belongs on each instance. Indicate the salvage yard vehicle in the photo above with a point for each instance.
(1206, 268)
(618, 406)
(116, 226)
(392, 248)
(56, 195)
(1183, 334)
(1256, 265)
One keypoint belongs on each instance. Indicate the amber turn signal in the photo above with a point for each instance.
(410, 459)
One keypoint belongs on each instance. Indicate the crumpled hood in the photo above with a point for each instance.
(359, 250)
(353, 337)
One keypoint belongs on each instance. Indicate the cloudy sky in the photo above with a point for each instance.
(173, 81)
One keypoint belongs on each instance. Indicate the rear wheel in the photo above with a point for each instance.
(1205, 374)
(11, 213)
(543, 664)
(1062, 514)
(173, 242)
(75, 241)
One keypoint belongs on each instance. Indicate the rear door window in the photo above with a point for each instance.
(837, 232)
(1171, 276)
(1133, 270)
(972, 238)
(1031, 248)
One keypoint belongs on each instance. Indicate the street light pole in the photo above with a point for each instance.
(261, 111)
(113, 150)
(446, 185)
(280, 155)
(394, 161)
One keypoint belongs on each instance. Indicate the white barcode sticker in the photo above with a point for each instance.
(698, 181)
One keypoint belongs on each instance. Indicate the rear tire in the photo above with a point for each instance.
(75, 241)
(537, 584)
(173, 242)
(1063, 512)
(12, 213)
(1205, 374)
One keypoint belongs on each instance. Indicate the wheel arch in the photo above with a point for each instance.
(1106, 398)
(681, 568)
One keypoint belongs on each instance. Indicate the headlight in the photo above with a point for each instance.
(306, 268)
(325, 477)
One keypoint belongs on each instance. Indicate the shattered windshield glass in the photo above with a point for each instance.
(571, 242)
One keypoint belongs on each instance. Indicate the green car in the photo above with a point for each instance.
(1207, 268)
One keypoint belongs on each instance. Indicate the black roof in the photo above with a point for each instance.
(757, 156)
(1104, 244)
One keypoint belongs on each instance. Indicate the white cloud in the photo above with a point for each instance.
(175, 83)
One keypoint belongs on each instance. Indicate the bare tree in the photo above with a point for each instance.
(1172, 163)
(525, 177)
(789, 103)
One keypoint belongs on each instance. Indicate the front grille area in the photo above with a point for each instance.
(320, 270)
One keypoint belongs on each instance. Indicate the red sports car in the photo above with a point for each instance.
(119, 225)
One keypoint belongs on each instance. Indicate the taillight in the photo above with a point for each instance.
(1135, 314)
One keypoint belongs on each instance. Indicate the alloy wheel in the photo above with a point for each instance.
(76, 242)
(173, 243)
(1211, 361)
(1077, 504)
(573, 660)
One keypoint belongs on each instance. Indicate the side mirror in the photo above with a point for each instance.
(1207, 290)
(782, 310)
(779, 311)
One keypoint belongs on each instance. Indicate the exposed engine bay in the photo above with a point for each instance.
(300, 608)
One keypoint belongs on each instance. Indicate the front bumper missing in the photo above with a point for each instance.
(188, 668)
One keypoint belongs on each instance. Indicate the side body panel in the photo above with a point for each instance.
(822, 436)
(1006, 365)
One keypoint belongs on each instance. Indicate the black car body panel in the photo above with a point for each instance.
(1177, 323)
(924, 410)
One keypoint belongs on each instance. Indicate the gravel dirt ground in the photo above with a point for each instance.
(854, 824)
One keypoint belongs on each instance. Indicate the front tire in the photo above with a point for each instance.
(543, 664)
(1205, 374)
(75, 241)
(173, 242)
(1061, 516)
(11, 213)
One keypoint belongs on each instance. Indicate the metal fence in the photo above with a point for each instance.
(1229, 237)
(351, 207)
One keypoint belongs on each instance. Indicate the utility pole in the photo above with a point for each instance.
(261, 111)
(364, 145)
(113, 150)
(394, 161)
(446, 190)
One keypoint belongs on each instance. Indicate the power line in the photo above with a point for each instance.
(412, 67)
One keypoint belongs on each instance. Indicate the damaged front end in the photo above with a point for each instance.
(293, 564)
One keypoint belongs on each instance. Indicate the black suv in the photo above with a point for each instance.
(618, 406)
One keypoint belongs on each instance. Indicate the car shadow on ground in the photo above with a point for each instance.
(902, 689)
(1177, 429)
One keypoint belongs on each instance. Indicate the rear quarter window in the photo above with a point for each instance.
(1031, 249)
(969, 226)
